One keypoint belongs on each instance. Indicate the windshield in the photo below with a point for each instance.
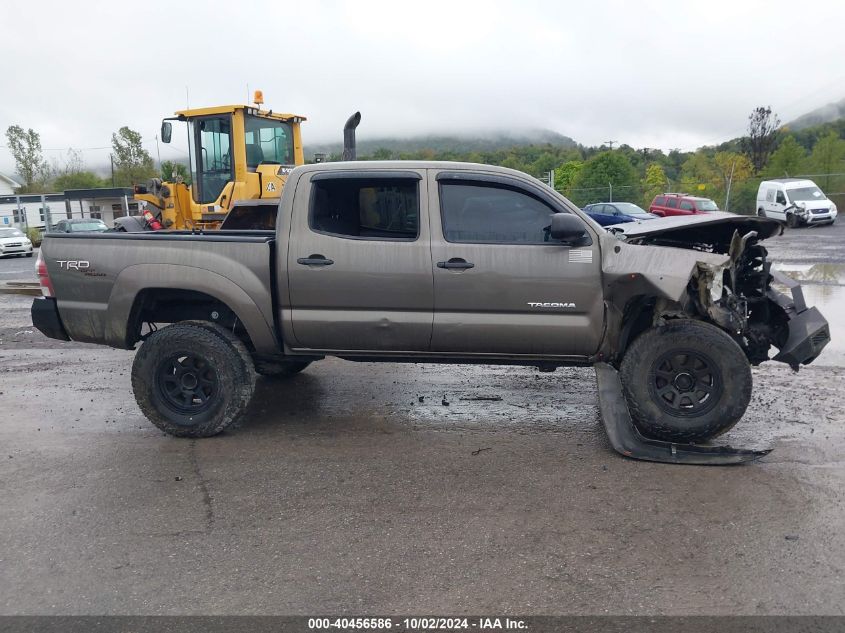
(706, 205)
(629, 208)
(10, 233)
(93, 225)
(805, 194)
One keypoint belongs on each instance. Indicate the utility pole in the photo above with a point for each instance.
(111, 158)
(728, 193)
(610, 186)
(610, 144)
(158, 153)
(48, 220)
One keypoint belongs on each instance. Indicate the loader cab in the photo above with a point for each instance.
(236, 152)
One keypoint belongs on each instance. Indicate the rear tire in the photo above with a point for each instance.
(685, 381)
(193, 379)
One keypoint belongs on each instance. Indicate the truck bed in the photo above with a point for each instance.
(102, 291)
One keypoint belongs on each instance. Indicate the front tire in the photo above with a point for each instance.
(792, 221)
(685, 381)
(192, 381)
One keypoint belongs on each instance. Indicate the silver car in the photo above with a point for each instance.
(13, 242)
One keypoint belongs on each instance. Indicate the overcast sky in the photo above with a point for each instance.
(653, 74)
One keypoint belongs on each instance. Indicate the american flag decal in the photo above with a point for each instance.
(580, 256)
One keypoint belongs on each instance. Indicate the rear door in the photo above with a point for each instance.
(359, 262)
(671, 207)
(500, 285)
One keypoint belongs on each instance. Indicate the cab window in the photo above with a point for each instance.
(366, 208)
(483, 213)
(268, 142)
(780, 198)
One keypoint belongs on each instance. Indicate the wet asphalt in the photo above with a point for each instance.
(383, 488)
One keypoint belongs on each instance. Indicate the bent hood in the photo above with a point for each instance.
(711, 231)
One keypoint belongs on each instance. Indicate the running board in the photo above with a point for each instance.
(628, 441)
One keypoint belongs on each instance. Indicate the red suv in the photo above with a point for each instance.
(681, 204)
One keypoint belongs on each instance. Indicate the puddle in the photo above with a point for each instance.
(824, 287)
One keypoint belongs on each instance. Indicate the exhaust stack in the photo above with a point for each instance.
(349, 136)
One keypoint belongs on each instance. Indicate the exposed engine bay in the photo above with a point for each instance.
(729, 283)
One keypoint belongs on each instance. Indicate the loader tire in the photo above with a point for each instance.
(282, 369)
(193, 379)
(685, 381)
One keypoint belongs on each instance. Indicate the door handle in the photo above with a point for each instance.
(315, 260)
(456, 263)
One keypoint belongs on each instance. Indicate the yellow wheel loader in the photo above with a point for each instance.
(237, 153)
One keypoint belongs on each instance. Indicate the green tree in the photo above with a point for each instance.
(133, 164)
(731, 168)
(698, 173)
(787, 160)
(73, 175)
(565, 175)
(25, 147)
(763, 125)
(604, 172)
(382, 153)
(827, 156)
(169, 167)
(654, 183)
(78, 180)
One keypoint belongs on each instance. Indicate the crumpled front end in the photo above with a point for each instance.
(728, 281)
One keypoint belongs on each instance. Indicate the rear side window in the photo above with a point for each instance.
(367, 209)
(672, 203)
(492, 214)
(659, 201)
(686, 205)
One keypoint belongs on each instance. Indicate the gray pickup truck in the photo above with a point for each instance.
(433, 262)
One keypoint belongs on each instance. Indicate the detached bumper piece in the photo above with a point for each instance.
(45, 318)
(628, 441)
(809, 331)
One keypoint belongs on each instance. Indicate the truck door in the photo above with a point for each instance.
(359, 262)
(500, 285)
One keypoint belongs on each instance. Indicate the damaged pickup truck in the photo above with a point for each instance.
(437, 263)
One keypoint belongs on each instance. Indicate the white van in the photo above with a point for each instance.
(795, 201)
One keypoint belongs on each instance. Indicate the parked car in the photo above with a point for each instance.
(669, 204)
(607, 213)
(796, 201)
(80, 225)
(14, 242)
(414, 261)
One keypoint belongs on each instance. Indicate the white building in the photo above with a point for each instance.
(8, 185)
(38, 211)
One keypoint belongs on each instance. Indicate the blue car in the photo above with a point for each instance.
(607, 213)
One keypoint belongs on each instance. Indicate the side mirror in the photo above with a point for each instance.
(567, 227)
(166, 131)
